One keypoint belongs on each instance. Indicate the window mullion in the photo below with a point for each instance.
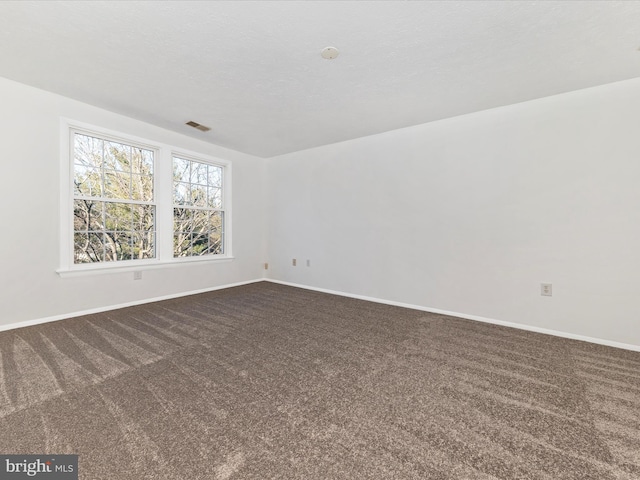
(164, 204)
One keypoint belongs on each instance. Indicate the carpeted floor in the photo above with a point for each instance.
(272, 382)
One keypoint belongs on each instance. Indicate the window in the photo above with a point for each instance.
(128, 203)
(198, 215)
(113, 207)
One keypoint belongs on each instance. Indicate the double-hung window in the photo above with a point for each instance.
(198, 214)
(129, 202)
(113, 200)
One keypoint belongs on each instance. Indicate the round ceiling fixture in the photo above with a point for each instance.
(329, 53)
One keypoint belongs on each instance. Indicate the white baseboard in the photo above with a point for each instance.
(37, 321)
(555, 333)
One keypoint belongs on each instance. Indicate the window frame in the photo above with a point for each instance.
(163, 201)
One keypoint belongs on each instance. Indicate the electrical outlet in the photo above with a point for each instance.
(308, 263)
(294, 262)
(546, 289)
(266, 266)
(137, 275)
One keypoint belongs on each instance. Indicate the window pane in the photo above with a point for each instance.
(143, 244)
(200, 221)
(215, 176)
(181, 193)
(143, 217)
(117, 185)
(216, 232)
(198, 195)
(118, 216)
(181, 170)
(88, 247)
(215, 222)
(87, 215)
(181, 220)
(214, 198)
(117, 156)
(181, 244)
(215, 243)
(199, 173)
(87, 181)
(87, 150)
(199, 243)
(142, 161)
(117, 246)
(142, 188)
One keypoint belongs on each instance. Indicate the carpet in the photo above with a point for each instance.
(266, 381)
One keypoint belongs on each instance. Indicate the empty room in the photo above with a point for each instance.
(320, 240)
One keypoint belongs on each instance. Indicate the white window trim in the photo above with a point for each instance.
(163, 197)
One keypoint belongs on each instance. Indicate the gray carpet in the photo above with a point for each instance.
(272, 382)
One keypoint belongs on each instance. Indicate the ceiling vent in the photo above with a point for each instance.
(197, 126)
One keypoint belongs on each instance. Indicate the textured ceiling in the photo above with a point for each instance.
(253, 72)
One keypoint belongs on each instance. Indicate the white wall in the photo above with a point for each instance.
(29, 241)
(470, 214)
(466, 215)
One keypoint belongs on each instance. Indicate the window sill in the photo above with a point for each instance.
(102, 269)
